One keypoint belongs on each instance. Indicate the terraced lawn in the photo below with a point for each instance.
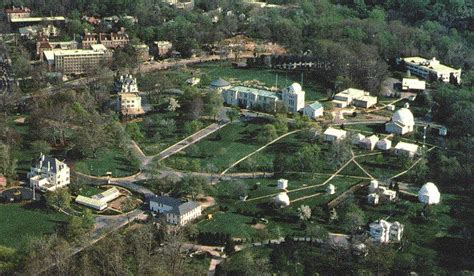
(108, 160)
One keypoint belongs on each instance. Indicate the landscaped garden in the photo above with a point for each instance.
(20, 221)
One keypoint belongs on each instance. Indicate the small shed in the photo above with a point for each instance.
(373, 186)
(356, 138)
(333, 134)
(373, 199)
(331, 189)
(384, 144)
(282, 184)
(369, 142)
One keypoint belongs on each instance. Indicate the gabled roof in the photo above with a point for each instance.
(177, 206)
(220, 83)
(335, 132)
(316, 105)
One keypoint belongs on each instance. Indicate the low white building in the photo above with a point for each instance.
(429, 194)
(334, 134)
(386, 194)
(384, 232)
(384, 144)
(282, 184)
(313, 110)
(373, 186)
(91, 202)
(356, 138)
(355, 97)
(402, 122)
(330, 189)
(48, 174)
(407, 149)
(430, 68)
(369, 142)
(176, 211)
(413, 85)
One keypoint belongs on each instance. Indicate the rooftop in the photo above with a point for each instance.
(259, 92)
(316, 105)
(178, 207)
(429, 64)
(335, 132)
(37, 19)
(407, 146)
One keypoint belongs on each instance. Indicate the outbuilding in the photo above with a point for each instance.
(406, 149)
(282, 184)
(429, 194)
(369, 142)
(384, 144)
(313, 110)
(333, 134)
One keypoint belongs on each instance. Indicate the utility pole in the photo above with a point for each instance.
(276, 80)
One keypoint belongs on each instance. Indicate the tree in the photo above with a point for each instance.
(280, 124)
(213, 103)
(304, 213)
(91, 137)
(339, 153)
(9, 260)
(192, 127)
(233, 114)
(60, 199)
(268, 134)
(229, 247)
(134, 131)
(41, 146)
(192, 185)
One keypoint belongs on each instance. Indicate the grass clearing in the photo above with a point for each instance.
(218, 151)
(19, 222)
(108, 160)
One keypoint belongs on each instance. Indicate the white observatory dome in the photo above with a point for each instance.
(429, 194)
(295, 88)
(282, 200)
(404, 116)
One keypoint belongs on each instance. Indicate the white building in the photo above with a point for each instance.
(406, 149)
(430, 68)
(129, 100)
(126, 84)
(355, 97)
(247, 97)
(282, 184)
(402, 122)
(373, 199)
(373, 186)
(282, 200)
(91, 203)
(386, 194)
(48, 174)
(334, 134)
(369, 142)
(330, 189)
(356, 138)
(384, 144)
(293, 97)
(313, 110)
(176, 211)
(413, 84)
(429, 194)
(99, 201)
(384, 232)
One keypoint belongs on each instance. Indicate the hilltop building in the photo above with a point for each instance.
(355, 97)
(48, 173)
(293, 97)
(176, 211)
(430, 69)
(402, 122)
(406, 149)
(414, 85)
(369, 142)
(100, 201)
(130, 102)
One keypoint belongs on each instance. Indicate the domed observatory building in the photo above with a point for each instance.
(293, 97)
(429, 194)
(282, 200)
(402, 122)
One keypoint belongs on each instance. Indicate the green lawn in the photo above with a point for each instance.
(219, 150)
(108, 160)
(236, 216)
(152, 144)
(89, 191)
(214, 70)
(382, 166)
(18, 222)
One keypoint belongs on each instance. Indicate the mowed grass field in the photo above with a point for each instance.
(108, 160)
(220, 149)
(19, 222)
(270, 78)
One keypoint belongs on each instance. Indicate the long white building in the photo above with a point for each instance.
(355, 97)
(293, 97)
(427, 68)
(176, 211)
